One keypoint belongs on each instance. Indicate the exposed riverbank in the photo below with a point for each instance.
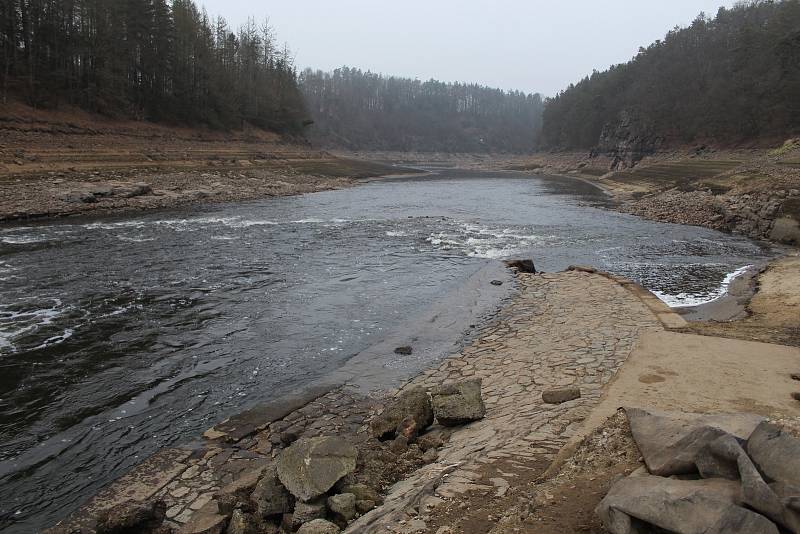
(67, 163)
(753, 192)
(526, 466)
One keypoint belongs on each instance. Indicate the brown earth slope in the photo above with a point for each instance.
(68, 162)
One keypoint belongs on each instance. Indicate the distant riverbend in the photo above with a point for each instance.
(120, 336)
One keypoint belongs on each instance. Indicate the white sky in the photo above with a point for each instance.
(534, 45)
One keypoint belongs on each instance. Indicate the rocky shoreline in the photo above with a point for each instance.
(534, 367)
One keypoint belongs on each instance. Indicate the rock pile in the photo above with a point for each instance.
(317, 485)
(713, 473)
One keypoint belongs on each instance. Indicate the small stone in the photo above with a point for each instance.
(242, 523)
(362, 492)
(431, 440)
(413, 403)
(343, 505)
(496, 282)
(364, 506)
(558, 396)
(270, 496)
(416, 525)
(132, 516)
(404, 351)
(409, 428)
(796, 396)
(305, 512)
(796, 376)
(319, 526)
(205, 521)
(430, 456)
(399, 445)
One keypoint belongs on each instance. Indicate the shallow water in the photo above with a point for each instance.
(120, 336)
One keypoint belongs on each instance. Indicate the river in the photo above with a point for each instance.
(119, 336)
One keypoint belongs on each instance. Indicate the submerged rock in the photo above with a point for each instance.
(311, 466)
(404, 351)
(413, 403)
(458, 403)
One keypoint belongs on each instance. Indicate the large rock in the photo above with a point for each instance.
(270, 496)
(131, 516)
(319, 526)
(775, 453)
(413, 403)
(637, 504)
(311, 466)
(458, 403)
(670, 443)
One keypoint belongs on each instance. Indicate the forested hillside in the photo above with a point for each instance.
(146, 59)
(729, 79)
(362, 110)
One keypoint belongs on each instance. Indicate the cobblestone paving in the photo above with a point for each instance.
(568, 329)
(222, 461)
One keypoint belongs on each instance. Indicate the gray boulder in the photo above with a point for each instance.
(311, 466)
(560, 396)
(776, 453)
(636, 504)
(270, 496)
(319, 526)
(458, 403)
(670, 442)
(343, 505)
(413, 403)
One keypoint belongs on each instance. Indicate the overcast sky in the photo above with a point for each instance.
(530, 45)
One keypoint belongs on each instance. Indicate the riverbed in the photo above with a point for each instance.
(119, 336)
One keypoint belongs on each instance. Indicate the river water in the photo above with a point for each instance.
(119, 336)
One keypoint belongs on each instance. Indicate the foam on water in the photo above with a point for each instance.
(684, 300)
(16, 322)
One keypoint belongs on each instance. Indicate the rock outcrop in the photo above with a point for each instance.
(627, 141)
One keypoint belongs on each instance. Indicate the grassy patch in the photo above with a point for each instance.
(672, 174)
(788, 146)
